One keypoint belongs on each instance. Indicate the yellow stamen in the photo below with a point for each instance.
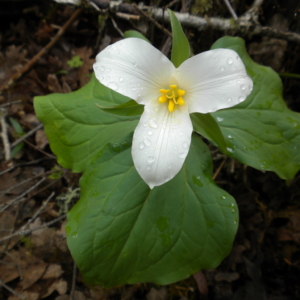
(173, 96)
(180, 92)
(180, 101)
(164, 91)
(171, 106)
(163, 98)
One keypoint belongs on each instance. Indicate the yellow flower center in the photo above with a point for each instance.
(173, 96)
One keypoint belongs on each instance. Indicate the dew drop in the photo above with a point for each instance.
(151, 159)
(250, 88)
(222, 69)
(107, 77)
(241, 98)
(169, 166)
(102, 68)
(152, 123)
(182, 155)
(229, 150)
(230, 61)
(220, 119)
(155, 109)
(112, 85)
(148, 168)
(145, 124)
(185, 145)
(180, 133)
(237, 58)
(234, 222)
(142, 145)
(243, 87)
(150, 132)
(121, 79)
(101, 78)
(223, 197)
(229, 99)
(147, 141)
(238, 81)
(232, 204)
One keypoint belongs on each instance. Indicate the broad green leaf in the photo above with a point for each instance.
(206, 125)
(121, 232)
(130, 108)
(76, 128)
(180, 45)
(135, 34)
(261, 131)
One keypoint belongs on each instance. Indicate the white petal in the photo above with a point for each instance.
(161, 142)
(134, 68)
(213, 80)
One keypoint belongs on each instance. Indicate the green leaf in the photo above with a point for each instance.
(180, 45)
(75, 62)
(16, 150)
(76, 128)
(17, 127)
(261, 131)
(131, 108)
(206, 125)
(135, 34)
(121, 232)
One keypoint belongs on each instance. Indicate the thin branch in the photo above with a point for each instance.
(4, 134)
(28, 231)
(38, 211)
(11, 290)
(231, 9)
(116, 27)
(28, 134)
(32, 62)
(141, 12)
(20, 197)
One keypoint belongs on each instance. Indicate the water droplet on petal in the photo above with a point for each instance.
(147, 141)
(238, 81)
(107, 77)
(102, 68)
(101, 78)
(237, 58)
(169, 165)
(182, 155)
(121, 79)
(229, 60)
(142, 145)
(222, 69)
(185, 145)
(229, 99)
(150, 132)
(156, 109)
(152, 123)
(242, 98)
(243, 87)
(148, 168)
(151, 159)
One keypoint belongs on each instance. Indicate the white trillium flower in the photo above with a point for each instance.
(205, 83)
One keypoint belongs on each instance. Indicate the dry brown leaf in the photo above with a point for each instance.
(41, 139)
(53, 271)
(53, 84)
(27, 295)
(226, 276)
(85, 70)
(58, 285)
(33, 273)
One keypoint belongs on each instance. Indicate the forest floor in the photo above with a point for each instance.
(35, 262)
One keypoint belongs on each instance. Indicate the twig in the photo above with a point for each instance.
(152, 20)
(20, 197)
(11, 290)
(40, 150)
(26, 180)
(72, 294)
(28, 231)
(231, 9)
(257, 3)
(28, 134)
(30, 64)
(219, 168)
(116, 27)
(4, 134)
(38, 211)
(11, 103)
